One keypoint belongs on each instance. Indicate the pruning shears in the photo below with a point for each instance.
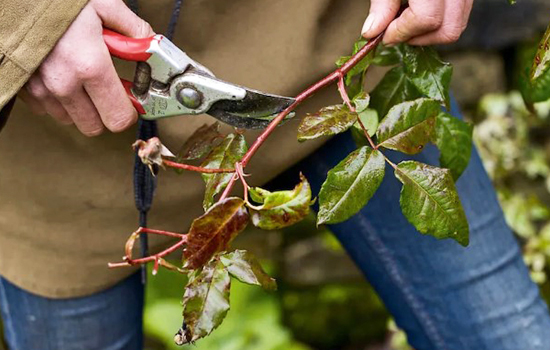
(169, 83)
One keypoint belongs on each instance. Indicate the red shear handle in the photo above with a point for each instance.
(128, 87)
(129, 49)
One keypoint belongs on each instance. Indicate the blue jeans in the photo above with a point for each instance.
(444, 296)
(109, 320)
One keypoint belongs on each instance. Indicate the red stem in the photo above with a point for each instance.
(345, 97)
(128, 261)
(329, 79)
(197, 169)
(336, 76)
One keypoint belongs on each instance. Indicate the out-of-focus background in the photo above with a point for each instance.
(323, 302)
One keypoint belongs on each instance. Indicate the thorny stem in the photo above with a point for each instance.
(157, 258)
(329, 79)
(336, 76)
(175, 165)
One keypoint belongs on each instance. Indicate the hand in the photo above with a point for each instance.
(424, 22)
(77, 83)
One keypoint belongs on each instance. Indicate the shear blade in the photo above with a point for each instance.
(255, 111)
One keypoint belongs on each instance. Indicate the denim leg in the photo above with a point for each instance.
(445, 296)
(109, 320)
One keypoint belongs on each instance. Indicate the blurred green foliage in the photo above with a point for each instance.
(515, 147)
(253, 323)
(329, 316)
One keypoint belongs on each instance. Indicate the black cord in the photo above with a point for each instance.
(144, 181)
(174, 19)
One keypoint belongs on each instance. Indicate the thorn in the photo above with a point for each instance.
(156, 267)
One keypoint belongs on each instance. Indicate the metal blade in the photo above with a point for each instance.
(255, 111)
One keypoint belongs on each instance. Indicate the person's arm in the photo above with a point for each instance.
(65, 67)
(424, 22)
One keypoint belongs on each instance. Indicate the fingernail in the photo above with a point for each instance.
(368, 24)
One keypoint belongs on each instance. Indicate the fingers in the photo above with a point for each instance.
(455, 20)
(424, 22)
(381, 13)
(118, 17)
(110, 98)
(41, 101)
(419, 18)
(77, 82)
(83, 112)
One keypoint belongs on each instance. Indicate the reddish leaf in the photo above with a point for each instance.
(328, 121)
(213, 232)
(200, 143)
(541, 64)
(409, 126)
(206, 300)
(225, 155)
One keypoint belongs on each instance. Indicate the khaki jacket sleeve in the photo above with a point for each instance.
(29, 30)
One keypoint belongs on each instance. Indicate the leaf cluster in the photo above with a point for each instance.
(404, 113)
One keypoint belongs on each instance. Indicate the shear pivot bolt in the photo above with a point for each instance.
(190, 98)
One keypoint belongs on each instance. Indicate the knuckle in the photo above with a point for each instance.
(431, 22)
(62, 91)
(451, 35)
(122, 121)
(60, 88)
(399, 34)
(90, 69)
(37, 90)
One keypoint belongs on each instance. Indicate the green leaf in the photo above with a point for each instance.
(541, 62)
(224, 156)
(245, 267)
(394, 88)
(361, 102)
(388, 55)
(538, 90)
(206, 300)
(360, 67)
(369, 118)
(454, 140)
(409, 126)
(430, 202)
(200, 143)
(281, 209)
(428, 73)
(328, 121)
(350, 185)
(214, 230)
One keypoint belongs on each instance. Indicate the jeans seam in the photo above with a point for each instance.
(392, 269)
(8, 325)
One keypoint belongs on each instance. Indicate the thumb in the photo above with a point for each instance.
(117, 16)
(381, 13)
